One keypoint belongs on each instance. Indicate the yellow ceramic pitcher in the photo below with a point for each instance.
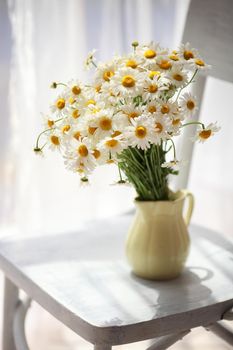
(158, 242)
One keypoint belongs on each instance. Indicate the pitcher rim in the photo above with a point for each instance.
(180, 193)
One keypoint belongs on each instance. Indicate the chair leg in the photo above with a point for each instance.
(221, 331)
(10, 303)
(102, 347)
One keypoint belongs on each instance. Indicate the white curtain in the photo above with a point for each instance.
(49, 41)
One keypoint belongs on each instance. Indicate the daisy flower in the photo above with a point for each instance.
(100, 156)
(152, 87)
(203, 134)
(140, 133)
(90, 60)
(161, 126)
(74, 112)
(175, 164)
(188, 104)
(176, 123)
(80, 159)
(54, 141)
(101, 124)
(104, 73)
(48, 122)
(168, 108)
(186, 52)
(199, 64)
(112, 145)
(164, 63)
(131, 111)
(74, 90)
(174, 56)
(152, 107)
(126, 82)
(132, 61)
(177, 76)
(60, 105)
(149, 51)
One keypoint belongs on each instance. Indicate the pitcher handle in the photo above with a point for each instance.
(189, 212)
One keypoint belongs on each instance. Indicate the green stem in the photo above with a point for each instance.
(193, 123)
(174, 148)
(189, 82)
(119, 170)
(38, 138)
(62, 84)
(95, 65)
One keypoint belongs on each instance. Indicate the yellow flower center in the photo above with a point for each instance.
(96, 153)
(190, 104)
(154, 73)
(174, 57)
(132, 64)
(50, 123)
(176, 122)
(90, 102)
(152, 109)
(107, 75)
(76, 90)
(72, 100)
(188, 55)
(110, 161)
(65, 128)
(75, 114)
(158, 127)
(165, 109)
(133, 115)
(116, 133)
(82, 151)
(149, 53)
(77, 135)
(60, 103)
(200, 63)
(141, 132)
(128, 81)
(105, 123)
(178, 77)
(152, 88)
(98, 88)
(55, 140)
(164, 64)
(111, 143)
(205, 134)
(91, 130)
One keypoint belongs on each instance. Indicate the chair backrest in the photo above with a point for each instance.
(208, 27)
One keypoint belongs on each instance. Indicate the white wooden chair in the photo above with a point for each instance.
(83, 280)
(209, 27)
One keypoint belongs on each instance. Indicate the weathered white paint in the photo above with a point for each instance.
(10, 304)
(163, 343)
(82, 279)
(19, 324)
(222, 331)
(185, 146)
(102, 347)
(208, 27)
(228, 315)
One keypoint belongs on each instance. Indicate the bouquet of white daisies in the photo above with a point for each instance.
(128, 115)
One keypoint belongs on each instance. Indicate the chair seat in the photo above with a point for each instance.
(83, 279)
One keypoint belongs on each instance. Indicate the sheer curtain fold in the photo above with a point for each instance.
(50, 40)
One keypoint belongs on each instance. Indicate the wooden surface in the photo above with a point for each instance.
(83, 280)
